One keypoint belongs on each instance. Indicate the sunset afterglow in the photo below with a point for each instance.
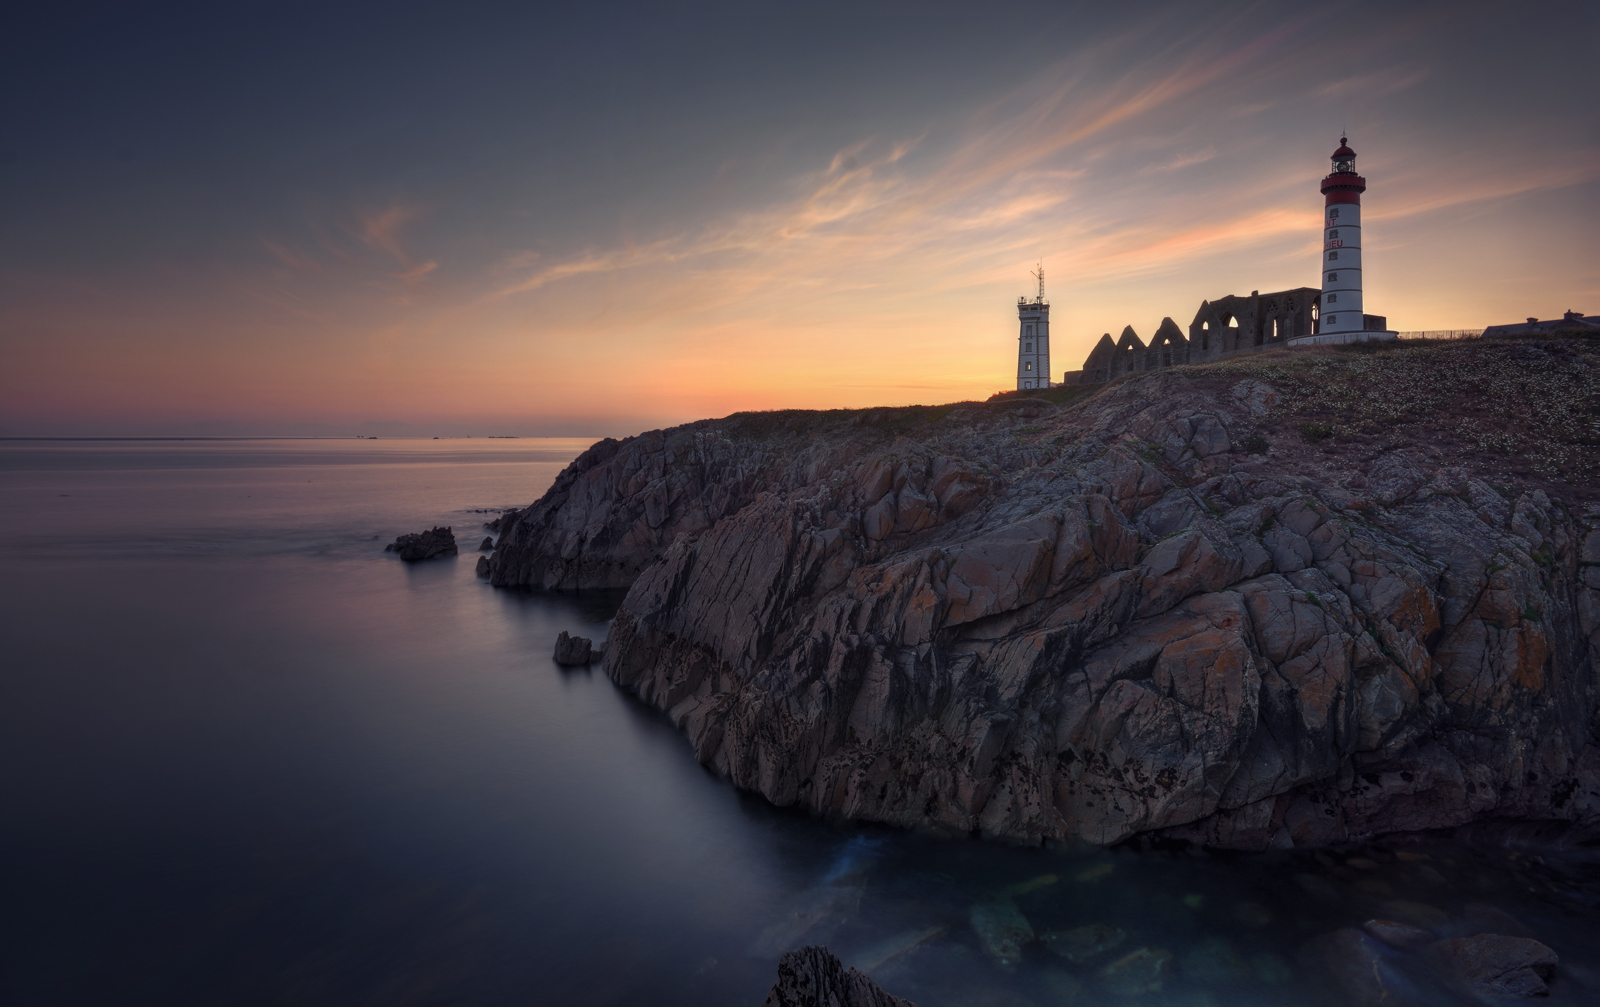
(529, 225)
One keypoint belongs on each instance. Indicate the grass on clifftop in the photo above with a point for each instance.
(1533, 405)
(1512, 409)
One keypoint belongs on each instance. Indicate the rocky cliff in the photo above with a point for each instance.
(1300, 598)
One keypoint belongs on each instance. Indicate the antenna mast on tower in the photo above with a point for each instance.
(1039, 274)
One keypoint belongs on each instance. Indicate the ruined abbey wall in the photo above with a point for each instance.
(1221, 328)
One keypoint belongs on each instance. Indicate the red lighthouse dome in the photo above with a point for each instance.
(1343, 185)
(1344, 159)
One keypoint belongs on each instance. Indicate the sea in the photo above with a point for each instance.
(248, 757)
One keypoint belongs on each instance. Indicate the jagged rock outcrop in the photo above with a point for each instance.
(1112, 618)
(430, 544)
(573, 650)
(814, 977)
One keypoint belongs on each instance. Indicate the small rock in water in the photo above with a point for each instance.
(1399, 935)
(1084, 944)
(572, 650)
(486, 544)
(430, 544)
(812, 976)
(1142, 971)
(482, 569)
(1002, 931)
(1491, 968)
(1214, 962)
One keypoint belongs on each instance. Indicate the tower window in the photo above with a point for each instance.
(1333, 318)
(1333, 233)
(1332, 298)
(1333, 276)
(1028, 347)
(1333, 214)
(1332, 256)
(1028, 366)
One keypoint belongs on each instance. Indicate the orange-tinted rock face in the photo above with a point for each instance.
(1093, 622)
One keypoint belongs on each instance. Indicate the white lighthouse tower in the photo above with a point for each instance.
(1033, 339)
(1341, 308)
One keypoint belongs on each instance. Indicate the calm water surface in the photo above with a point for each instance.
(246, 757)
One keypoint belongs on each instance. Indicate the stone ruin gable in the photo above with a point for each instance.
(1167, 347)
(1099, 367)
(1221, 328)
(1130, 355)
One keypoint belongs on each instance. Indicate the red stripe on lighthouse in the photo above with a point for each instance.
(1344, 196)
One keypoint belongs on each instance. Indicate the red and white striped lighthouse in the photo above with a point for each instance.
(1341, 245)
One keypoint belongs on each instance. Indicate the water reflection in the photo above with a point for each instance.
(269, 768)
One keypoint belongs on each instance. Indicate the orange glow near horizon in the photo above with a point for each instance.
(885, 272)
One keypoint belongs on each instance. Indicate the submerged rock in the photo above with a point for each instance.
(1142, 971)
(1252, 914)
(1215, 962)
(1082, 945)
(810, 916)
(1089, 622)
(1492, 968)
(1002, 931)
(1479, 918)
(813, 977)
(881, 954)
(572, 650)
(1416, 914)
(1399, 935)
(430, 544)
(1355, 970)
(1269, 969)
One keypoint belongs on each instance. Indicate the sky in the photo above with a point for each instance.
(240, 219)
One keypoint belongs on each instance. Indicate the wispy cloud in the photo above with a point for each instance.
(873, 203)
(1376, 84)
(1182, 160)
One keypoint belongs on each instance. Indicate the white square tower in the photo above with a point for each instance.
(1033, 339)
